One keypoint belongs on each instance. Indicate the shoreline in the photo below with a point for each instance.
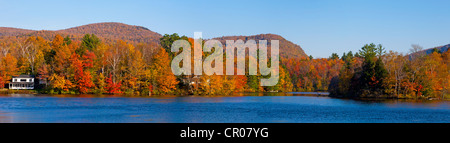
(31, 93)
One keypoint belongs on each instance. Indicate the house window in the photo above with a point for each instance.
(23, 80)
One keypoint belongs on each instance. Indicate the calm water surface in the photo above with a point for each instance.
(241, 109)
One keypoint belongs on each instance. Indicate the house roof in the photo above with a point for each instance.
(21, 83)
(24, 76)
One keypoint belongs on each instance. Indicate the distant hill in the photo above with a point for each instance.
(287, 48)
(440, 48)
(112, 30)
(7, 31)
(109, 32)
(430, 50)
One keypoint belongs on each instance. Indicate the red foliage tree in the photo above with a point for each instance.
(88, 59)
(240, 82)
(111, 87)
(2, 82)
(82, 78)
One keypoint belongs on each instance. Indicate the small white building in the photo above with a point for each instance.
(22, 82)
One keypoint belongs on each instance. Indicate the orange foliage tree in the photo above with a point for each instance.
(83, 78)
(163, 76)
(8, 68)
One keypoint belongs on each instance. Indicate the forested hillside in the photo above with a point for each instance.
(288, 49)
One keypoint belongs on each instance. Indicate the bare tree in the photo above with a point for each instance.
(416, 51)
(29, 51)
(113, 58)
(415, 48)
(415, 63)
(394, 65)
(5, 48)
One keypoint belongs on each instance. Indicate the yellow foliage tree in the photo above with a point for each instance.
(162, 75)
(60, 83)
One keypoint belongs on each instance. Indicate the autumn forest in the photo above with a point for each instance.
(130, 60)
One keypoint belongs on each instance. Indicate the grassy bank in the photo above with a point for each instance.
(8, 91)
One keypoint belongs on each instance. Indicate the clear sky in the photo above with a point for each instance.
(320, 27)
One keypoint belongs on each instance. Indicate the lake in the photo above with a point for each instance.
(262, 108)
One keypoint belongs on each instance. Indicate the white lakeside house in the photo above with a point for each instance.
(22, 82)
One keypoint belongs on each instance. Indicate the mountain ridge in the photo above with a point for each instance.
(108, 31)
(10, 31)
(111, 31)
(440, 48)
(287, 50)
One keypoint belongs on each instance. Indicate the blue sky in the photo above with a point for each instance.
(320, 27)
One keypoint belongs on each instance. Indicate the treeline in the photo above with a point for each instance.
(393, 75)
(86, 66)
(310, 74)
(222, 84)
(67, 66)
(373, 72)
(90, 66)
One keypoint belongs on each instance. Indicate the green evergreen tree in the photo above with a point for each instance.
(373, 71)
(380, 74)
(167, 40)
(89, 42)
(334, 56)
(67, 40)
